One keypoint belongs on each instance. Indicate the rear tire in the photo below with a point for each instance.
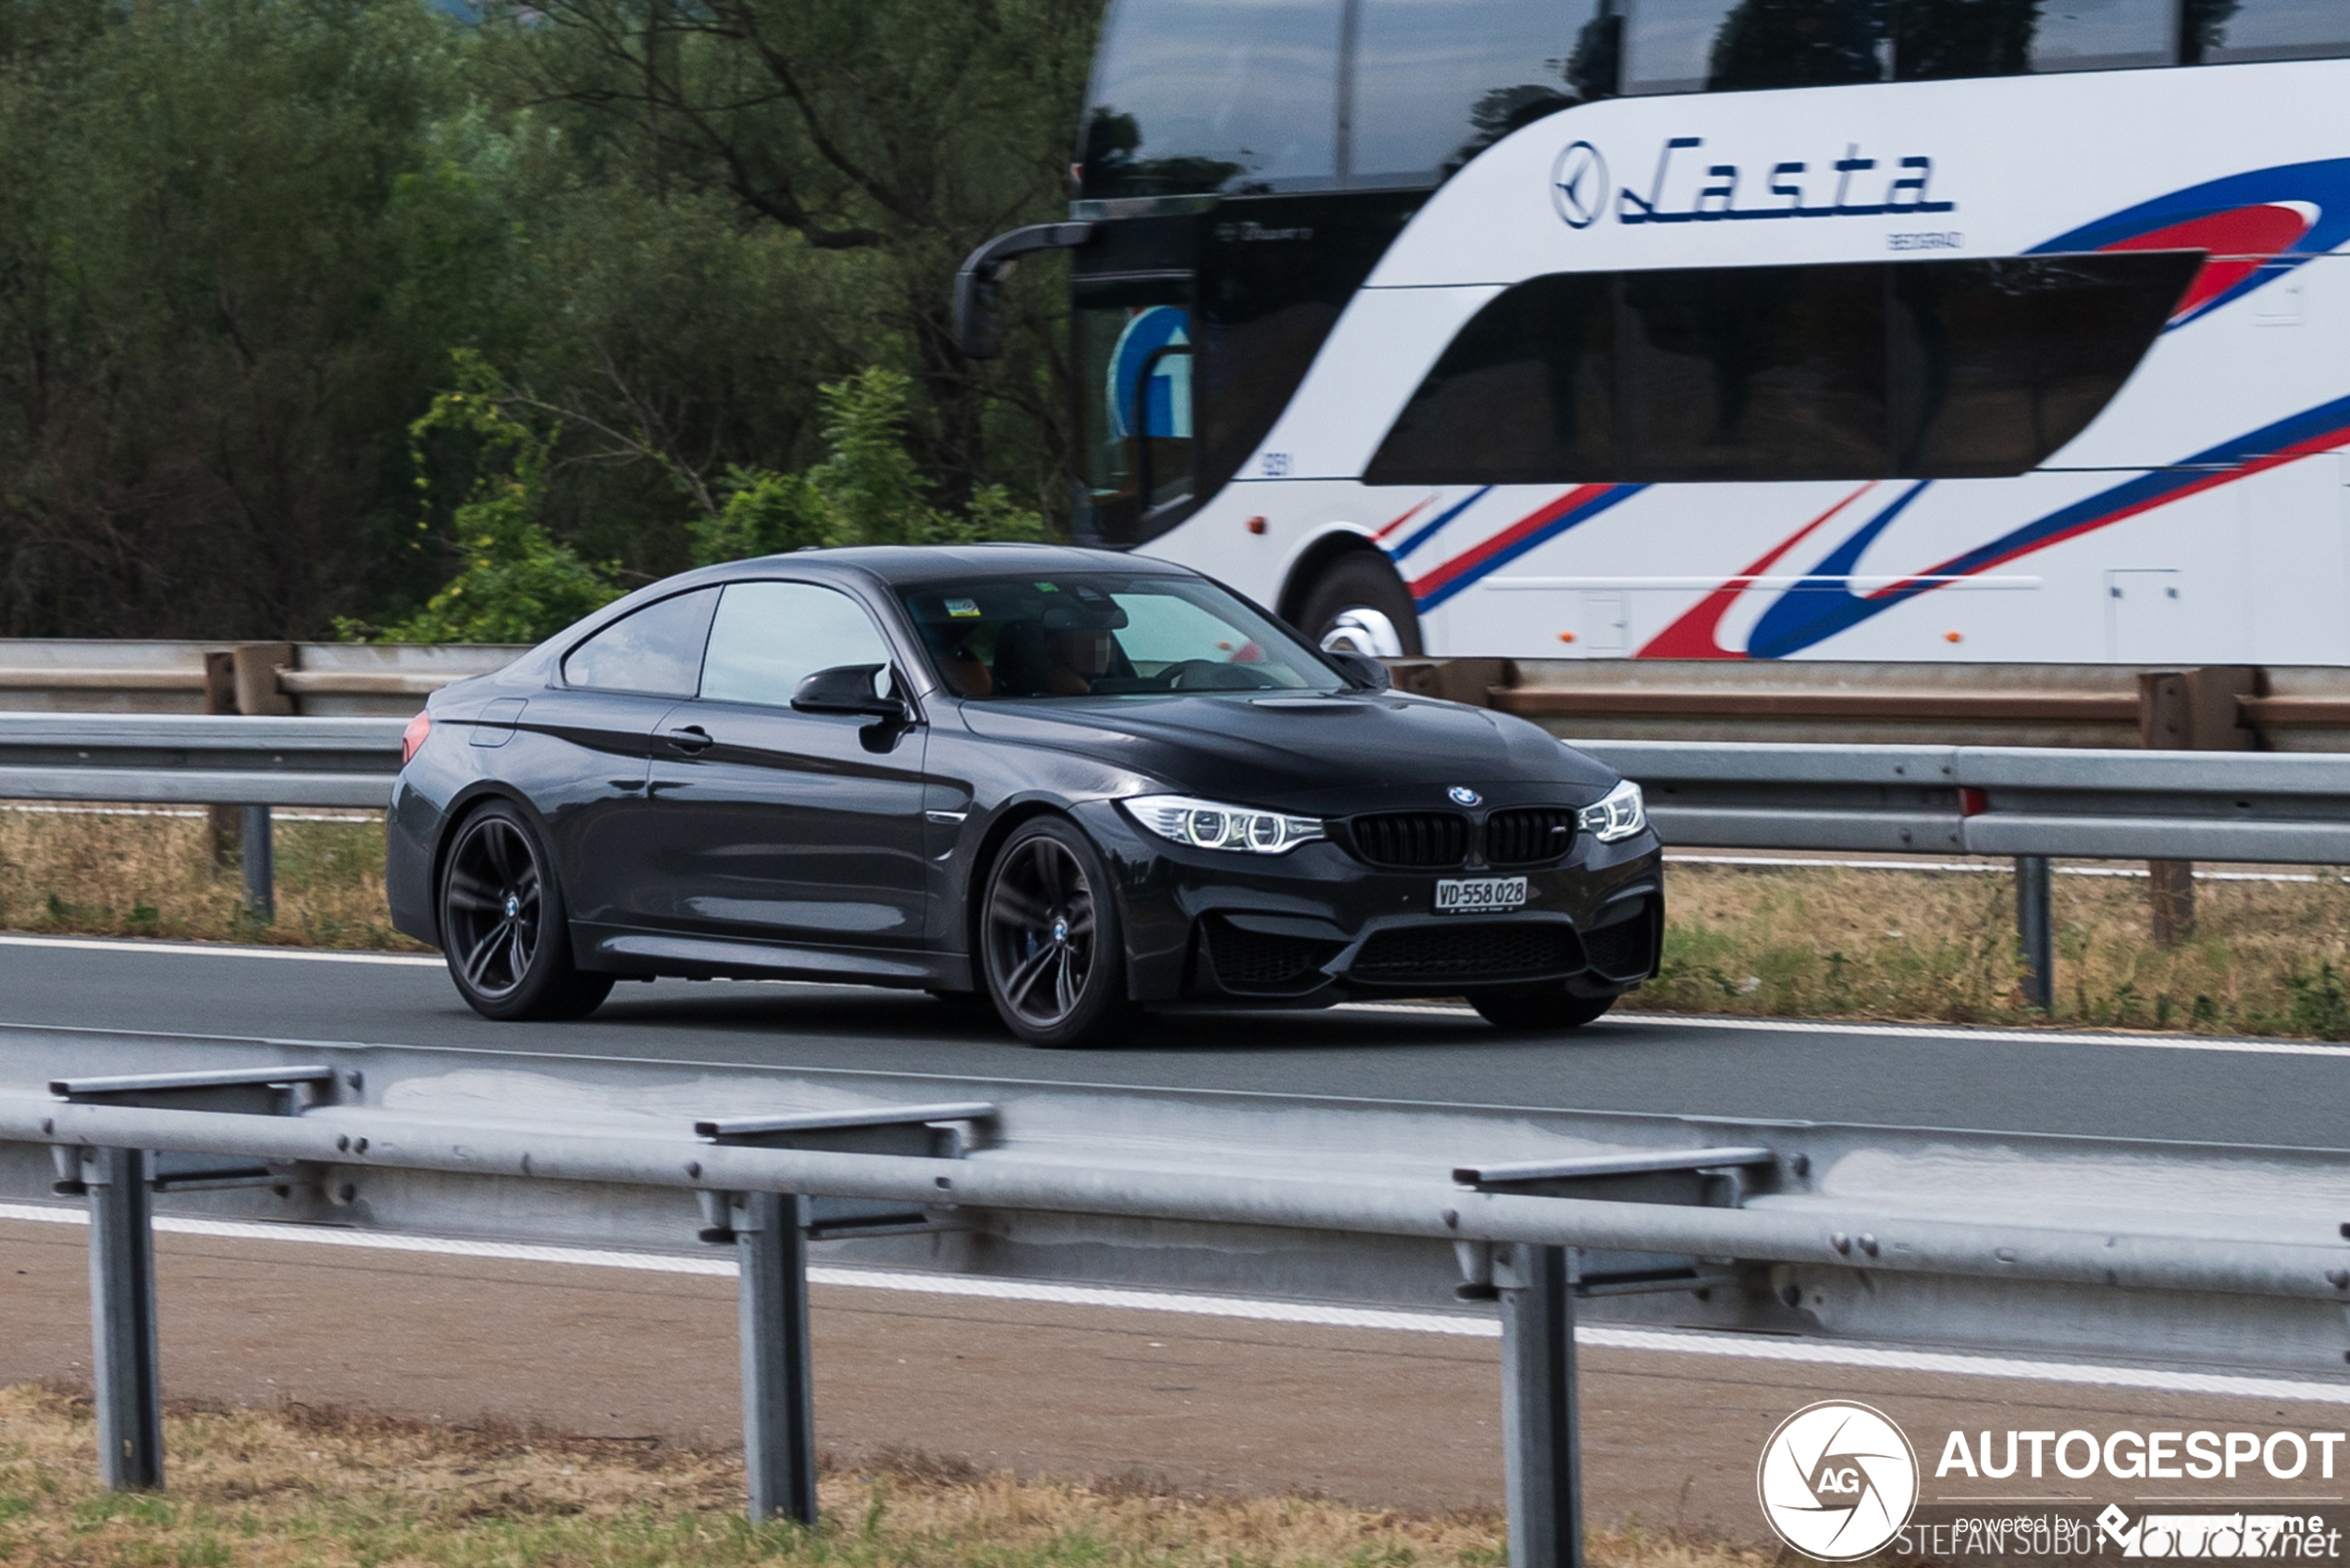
(1052, 952)
(1552, 1009)
(1359, 603)
(503, 926)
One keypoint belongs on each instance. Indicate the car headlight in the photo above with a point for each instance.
(1211, 824)
(1619, 816)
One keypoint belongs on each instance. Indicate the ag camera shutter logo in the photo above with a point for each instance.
(1837, 1480)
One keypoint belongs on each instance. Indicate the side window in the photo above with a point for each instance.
(1734, 45)
(1437, 81)
(656, 649)
(1922, 370)
(1198, 96)
(2225, 32)
(2089, 35)
(770, 637)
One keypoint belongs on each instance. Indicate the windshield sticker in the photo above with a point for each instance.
(962, 609)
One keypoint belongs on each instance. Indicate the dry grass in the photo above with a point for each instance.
(2267, 958)
(125, 874)
(331, 1489)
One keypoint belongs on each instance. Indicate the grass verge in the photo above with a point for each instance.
(1801, 942)
(328, 1488)
(130, 873)
(2267, 958)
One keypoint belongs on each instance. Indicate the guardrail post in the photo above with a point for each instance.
(260, 864)
(779, 1410)
(770, 1235)
(1537, 1286)
(1545, 1484)
(2036, 931)
(125, 1362)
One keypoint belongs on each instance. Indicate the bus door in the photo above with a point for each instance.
(1134, 417)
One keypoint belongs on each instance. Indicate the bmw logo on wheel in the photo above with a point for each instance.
(1464, 796)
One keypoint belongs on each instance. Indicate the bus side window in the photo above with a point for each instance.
(2089, 35)
(1735, 45)
(1432, 90)
(2228, 31)
(1921, 370)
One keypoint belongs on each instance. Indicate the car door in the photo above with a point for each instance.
(775, 826)
(581, 749)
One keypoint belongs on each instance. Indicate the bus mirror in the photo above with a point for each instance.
(983, 273)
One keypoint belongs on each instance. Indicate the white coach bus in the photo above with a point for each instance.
(1863, 329)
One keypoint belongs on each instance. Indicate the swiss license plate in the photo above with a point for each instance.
(1472, 896)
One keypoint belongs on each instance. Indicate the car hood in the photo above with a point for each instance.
(1303, 753)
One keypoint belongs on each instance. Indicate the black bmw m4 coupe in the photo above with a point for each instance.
(1074, 784)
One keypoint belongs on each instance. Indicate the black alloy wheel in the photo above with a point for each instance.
(1054, 955)
(503, 927)
(1549, 1007)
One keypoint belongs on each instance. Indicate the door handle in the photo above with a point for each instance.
(692, 739)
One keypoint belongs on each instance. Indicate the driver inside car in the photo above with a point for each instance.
(1081, 656)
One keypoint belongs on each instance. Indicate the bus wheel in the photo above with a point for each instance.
(1358, 605)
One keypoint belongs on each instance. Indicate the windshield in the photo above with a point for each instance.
(1105, 634)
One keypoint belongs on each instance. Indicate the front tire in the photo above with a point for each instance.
(1052, 951)
(1553, 1008)
(503, 926)
(1358, 605)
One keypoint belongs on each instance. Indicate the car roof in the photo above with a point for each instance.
(894, 564)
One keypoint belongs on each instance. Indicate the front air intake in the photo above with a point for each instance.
(1410, 841)
(1530, 836)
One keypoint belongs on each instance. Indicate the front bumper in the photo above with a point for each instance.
(1316, 926)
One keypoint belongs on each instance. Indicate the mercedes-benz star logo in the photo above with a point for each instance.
(1462, 795)
(1837, 1480)
(1578, 184)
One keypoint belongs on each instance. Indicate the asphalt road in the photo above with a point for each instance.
(2144, 1086)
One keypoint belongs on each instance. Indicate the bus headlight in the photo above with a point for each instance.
(1619, 816)
(1211, 824)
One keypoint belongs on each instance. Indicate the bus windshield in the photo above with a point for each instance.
(1105, 634)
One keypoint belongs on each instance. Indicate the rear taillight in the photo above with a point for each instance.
(413, 737)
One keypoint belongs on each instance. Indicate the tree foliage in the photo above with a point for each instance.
(240, 240)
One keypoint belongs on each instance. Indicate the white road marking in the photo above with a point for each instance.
(219, 950)
(1999, 868)
(1463, 1324)
(1897, 1031)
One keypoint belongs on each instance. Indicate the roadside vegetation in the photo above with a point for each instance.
(303, 1487)
(2267, 958)
(316, 310)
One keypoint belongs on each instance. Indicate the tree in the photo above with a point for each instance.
(514, 583)
(899, 132)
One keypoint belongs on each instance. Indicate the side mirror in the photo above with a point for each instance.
(867, 689)
(982, 275)
(1360, 668)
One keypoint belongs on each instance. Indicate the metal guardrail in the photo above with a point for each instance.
(316, 680)
(2026, 802)
(2000, 1241)
(226, 759)
(1935, 799)
(2255, 806)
